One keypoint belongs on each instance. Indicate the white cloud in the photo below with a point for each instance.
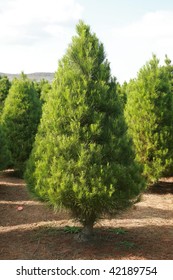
(43, 10)
(35, 33)
(24, 21)
(134, 44)
(152, 25)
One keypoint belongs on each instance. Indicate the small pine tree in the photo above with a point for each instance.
(149, 116)
(4, 89)
(82, 157)
(20, 119)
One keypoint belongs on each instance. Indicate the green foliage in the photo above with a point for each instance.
(123, 93)
(149, 116)
(73, 229)
(42, 87)
(118, 231)
(126, 244)
(4, 89)
(82, 157)
(20, 119)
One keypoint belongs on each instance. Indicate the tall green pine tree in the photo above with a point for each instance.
(150, 119)
(82, 158)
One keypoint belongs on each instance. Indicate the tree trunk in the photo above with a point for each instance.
(86, 234)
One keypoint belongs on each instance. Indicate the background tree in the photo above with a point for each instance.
(123, 93)
(82, 158)
(20, 119)
(150, 119)
(42, 87)
(4, 89)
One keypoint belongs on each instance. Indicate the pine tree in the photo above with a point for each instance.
(4, 89)
(20, 119)
(149, 116)
(82, 158)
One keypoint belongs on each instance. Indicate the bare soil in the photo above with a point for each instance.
(30, 230)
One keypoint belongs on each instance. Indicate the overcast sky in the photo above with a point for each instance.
(34, 34)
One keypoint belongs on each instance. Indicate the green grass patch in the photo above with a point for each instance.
(126, 244)
(73, 229)
(118, 231)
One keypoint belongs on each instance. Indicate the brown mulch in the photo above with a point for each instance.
(30, 230)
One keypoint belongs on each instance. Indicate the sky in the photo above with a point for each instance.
(34, 34)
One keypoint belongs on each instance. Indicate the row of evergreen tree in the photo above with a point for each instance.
(85, 142)
(20, 112)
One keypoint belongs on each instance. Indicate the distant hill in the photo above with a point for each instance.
(33, 76)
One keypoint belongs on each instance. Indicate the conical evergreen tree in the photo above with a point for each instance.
(82, 157)
(150, 119)
(5, 85)
(20, 118)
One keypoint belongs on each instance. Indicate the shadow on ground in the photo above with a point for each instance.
(53, 243)
(161, 187)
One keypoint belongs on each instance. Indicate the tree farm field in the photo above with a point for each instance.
(30, 230)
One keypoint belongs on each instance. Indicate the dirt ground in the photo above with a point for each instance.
(30, 230)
